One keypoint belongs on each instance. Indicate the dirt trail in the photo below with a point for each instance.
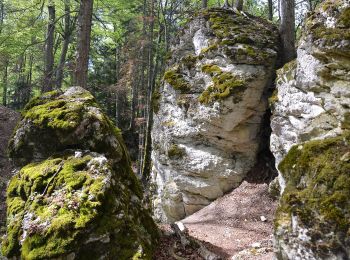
(238, 225)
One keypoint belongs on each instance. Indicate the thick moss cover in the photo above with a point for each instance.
(317, 192)
(56, 121)
(84, 201)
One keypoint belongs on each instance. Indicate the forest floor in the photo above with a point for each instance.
(8, 121)
(237, 226)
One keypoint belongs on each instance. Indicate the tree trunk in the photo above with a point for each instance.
(2, 13)
(226, 4)
(146, 167)
(49, 50)
(239, 5)
(204, 3)
(66, 40)
(270, 5)
(83, 42)
(4, 95)
(287, 32)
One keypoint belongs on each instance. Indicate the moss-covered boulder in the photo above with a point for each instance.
(313, 219)
(209, 109)
(310, 139)
(82, 202)
(57, 121)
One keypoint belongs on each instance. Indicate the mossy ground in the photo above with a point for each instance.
(317, 192)
(225, 84)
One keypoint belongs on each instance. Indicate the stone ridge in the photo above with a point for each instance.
(209, 110)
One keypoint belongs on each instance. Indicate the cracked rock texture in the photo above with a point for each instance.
(76, 197)
(209, 110)
(310, 140)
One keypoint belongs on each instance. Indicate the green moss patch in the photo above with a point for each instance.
(317, 192)
(176, 152)
(56, 121)
(234, 28)
(225, 84)
(176, 80)
(54, 206)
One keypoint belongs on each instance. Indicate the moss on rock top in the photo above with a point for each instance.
(56, 121)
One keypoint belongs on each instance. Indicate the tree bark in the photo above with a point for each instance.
(83, 44)
(226, 4)
(49, 50)
(2, 13)
(270, 5)
(239, 5)
(146, 167)
(287, 32)
(66, 39)
(4, 81)
(204, 3)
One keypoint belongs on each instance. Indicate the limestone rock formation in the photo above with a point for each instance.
(313, 94)
(81, 201)
(209, 110)
(312, 112)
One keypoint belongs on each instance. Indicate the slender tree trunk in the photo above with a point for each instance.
(4, 81)
(30, 72)
(239, 5)
(49, 51)
(146, 167)
(142, 94)
(65, 45)
(287, 31)
(2, 14)
(83, 44)
(204, 3)
(270, 5)
(226, 4)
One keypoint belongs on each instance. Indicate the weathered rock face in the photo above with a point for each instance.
(313, 91)
(312, 112)
(205, 135)
(79, 203)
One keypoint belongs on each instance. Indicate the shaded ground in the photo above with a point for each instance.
(170, 247)
(8, 120)
(232, 226)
